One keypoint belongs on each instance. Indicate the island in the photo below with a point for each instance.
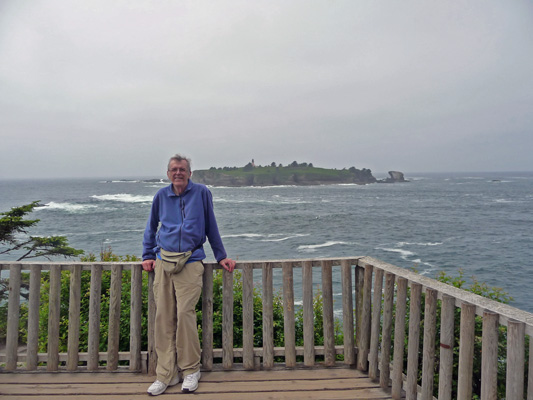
(295, 174)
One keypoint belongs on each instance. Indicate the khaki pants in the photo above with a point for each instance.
(176, 332)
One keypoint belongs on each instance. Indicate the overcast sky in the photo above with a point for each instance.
(114, 88)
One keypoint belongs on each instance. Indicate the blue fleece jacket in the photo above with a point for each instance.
(184, 223)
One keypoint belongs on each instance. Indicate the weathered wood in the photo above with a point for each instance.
(308, 314)
(489, 357)
(288, 315)
(74, 322)
(115, 293)
(135, 318)
(227, 319)
(33, 317)
(414, 341)
(428, 353)
(373, 361)
(94, 317)
(514, 384)
(54, 305)
(362, 356)
(268, 317)
(399, 338)
(447, 340)
(386, 342)
(248, 317)
(530, 370)
(152, 355)
(359, 300)
(466, 352)
(327, 314)
(207, 318)
(347, 312)
(13, 317)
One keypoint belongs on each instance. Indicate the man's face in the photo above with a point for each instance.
(178, 172)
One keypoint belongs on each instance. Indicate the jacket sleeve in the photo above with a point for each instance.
(211, 229)
(149, 239)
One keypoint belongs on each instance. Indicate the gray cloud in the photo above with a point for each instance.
(113, 88)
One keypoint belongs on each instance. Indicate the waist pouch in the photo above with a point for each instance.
(174, 262)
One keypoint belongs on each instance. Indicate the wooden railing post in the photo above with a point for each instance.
(152, 355)
(447, 340)
(364, 343)
(74, 307)
(114, 317)
(227, 319)
(135, 318)
(327, 314)
(268, 317)
(207, 318)
(375, 325)
(399, 338)
(515, 360)
(248, 317)
(53, 317)
(308, 311)
(386, 341)
(414, 341)
(33, 318)
(466, 352)
(347, 312)
(489, 357)
(288, 315)
(430, 330)
(13, 317)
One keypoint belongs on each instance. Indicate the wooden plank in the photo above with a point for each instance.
(514, 383)
(74, 308)
(386, 342)
(347, 313)
(53, 317)
(207, 318)
(152, 355)
(530, 369)
(327, 314)
(411, 388)
(359, 300)
(466, 352)
(94, 317)
(115, 293)
(33, 317)
(399, 338)
(309, 323)
(489, 357)
(288, 315)
(447, 341)
(364, 344)
(248, 317)
(428, 352)
(373, 357)
(227, 319)
(268, 317)
(13, 316)
(135, 318)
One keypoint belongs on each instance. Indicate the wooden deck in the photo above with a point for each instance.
(330, 383)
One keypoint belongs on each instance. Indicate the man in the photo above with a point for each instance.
(181, 218)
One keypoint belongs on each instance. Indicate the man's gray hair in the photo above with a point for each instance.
(178, 158)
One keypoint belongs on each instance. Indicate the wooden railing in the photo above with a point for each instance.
(390, 335)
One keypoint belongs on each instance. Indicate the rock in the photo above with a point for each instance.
(395, 176)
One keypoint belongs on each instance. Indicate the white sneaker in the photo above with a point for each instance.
(159, 387)
(190, 382)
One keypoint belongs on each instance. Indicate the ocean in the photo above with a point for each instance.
(480, 223)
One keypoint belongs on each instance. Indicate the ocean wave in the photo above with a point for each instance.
(272, 237)
(68, 207)
(401, 244)
(403, 253)
(277, 200)
(124, 198)
(312, 247)
(242, 235)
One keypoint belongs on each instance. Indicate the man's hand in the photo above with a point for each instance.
(228, 264)
(148, 265)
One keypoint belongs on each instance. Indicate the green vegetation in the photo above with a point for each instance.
(293, 174)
